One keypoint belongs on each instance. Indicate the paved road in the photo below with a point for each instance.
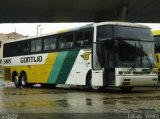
(73, 103)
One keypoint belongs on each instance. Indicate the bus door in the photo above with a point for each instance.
(109, 63)
(103, 56)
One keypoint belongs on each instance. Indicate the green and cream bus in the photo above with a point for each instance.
(96, 56)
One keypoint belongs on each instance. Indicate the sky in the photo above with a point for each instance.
(30, 29)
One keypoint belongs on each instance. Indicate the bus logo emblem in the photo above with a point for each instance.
(85, 56)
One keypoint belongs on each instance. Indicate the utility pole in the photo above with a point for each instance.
(37, 29)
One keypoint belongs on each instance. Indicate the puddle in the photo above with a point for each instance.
(60, 103)
(88, 102)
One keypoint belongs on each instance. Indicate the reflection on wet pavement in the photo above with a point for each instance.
(61, 100)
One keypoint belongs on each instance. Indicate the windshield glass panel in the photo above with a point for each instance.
(106, 32)
(133, 33)
(127, 52)
(135, 54)
(148, 54)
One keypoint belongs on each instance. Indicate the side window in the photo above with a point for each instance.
(7, 50)
(65, 41)
(79, 39)
(16, 48)
(26, 47)
(33, 46)
(88, 37)
(69, 41)
(36, 45)
(46, 44)
(53, 43)
(50, 43)
(61, 44)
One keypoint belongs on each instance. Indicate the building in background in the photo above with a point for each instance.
(4, 37)
(9, 36)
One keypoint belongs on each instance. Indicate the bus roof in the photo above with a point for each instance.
(79, 28)
(124, 24)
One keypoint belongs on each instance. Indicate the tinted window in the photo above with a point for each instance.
(25, 47)
(84, 38)
(36, 45)
(79, 39)
(50, 43)
(16, 48)
(46, 43)
(133, 32)
(33, 46)
(65, 41)
(88, 37)
(7, 50)
(53, 43)
(104, 32)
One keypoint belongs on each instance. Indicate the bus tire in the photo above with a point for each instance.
(126, 89)
(16, 81)
(23, 80)
(91, 87)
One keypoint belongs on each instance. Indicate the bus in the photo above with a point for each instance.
(156, 34)
(97, 56)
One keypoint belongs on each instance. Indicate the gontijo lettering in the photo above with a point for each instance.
(31, 59)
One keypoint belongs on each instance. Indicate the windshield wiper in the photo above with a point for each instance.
(146, 57)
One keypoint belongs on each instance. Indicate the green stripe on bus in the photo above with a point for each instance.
(67, 66)
(57, 67)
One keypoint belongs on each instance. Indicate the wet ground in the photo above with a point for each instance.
(66, 103)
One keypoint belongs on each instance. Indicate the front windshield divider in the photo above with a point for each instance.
(135, 55)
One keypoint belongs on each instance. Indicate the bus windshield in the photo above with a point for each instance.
(135, 54)
(135, 44)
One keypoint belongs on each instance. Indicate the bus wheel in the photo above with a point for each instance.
(23, 80)
(126, 89)
(92, 87)
(16, 81)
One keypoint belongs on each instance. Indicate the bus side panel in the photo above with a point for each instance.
(8, 70)
(56, 67)
(62, 67)
(82, 65)
(67, 66)
(37, 73)
(41, 73)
